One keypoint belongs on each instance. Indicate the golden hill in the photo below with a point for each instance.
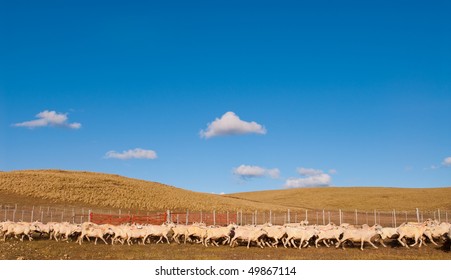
(100, 190)
(105, 190)
(350, 198)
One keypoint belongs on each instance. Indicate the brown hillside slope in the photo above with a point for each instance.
(105, 190)
(113, 191)
(350, 198)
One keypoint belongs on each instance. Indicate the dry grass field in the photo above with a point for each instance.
(112, 191)
(350, 198)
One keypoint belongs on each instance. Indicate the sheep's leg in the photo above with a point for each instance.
(300, 243)
(371, 243)
(416, 241)
(402, 243)
(285, 241)
(325, 243)
(316, 242)
(231, 242)
(338, 244)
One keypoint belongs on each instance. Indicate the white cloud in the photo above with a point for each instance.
(447, 161)
(231, 124)
(311, 178)
(132, 154)
(49, 118)
(273, 173)
(309, 171)
(249, 171)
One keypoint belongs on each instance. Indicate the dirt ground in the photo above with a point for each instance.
(51, 250)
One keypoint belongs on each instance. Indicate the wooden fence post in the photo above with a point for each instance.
(356, 219)
(288, 216)
(339, 214)
(418, 215)
(375, 217)
(439, 218)
(324, 218)
(214, 217)
(270, 216)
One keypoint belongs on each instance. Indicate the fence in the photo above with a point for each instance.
(153, 218)
(79, 215)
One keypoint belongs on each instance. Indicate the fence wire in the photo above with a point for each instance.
(320, 217)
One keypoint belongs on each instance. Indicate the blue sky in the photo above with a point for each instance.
(229, 96)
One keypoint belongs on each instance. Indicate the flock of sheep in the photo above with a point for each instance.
(298, 235)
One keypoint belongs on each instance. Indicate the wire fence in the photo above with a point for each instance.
(45, 214)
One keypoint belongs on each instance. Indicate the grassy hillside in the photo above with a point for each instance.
(105, 190)
(77, 188)
(350, 198)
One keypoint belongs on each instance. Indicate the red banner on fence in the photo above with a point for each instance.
(153, 219)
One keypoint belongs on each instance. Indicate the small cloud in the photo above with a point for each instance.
(231, 124)
(132, 154)
(311, 178)
(49, 118)
(249, 171)
(447, 162)
(273, 173)
(333, 171)
(309, 171)
(432, 167)
(222, 193)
